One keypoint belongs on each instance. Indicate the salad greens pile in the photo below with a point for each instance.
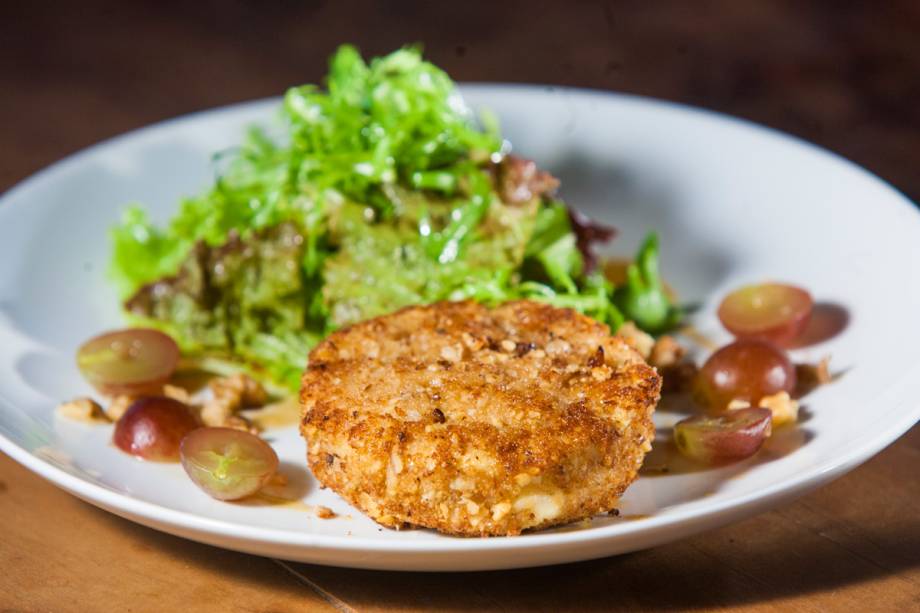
(386, 191)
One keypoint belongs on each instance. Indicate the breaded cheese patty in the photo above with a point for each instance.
(477, 421)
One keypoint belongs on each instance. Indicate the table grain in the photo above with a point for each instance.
(845, 75)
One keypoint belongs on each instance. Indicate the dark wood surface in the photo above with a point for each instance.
(845, 75)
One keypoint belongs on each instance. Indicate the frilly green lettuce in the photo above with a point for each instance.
(385, 191)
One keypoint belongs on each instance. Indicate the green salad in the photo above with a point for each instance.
(384, 190)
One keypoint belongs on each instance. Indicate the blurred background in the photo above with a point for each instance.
(845, 75)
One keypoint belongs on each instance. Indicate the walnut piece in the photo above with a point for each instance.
(324, 512)
(785, 409)
(229, 395)
(737, 404)
(118, 405)
(177, 393)
(810, 376)
(83, 409)
(238, 422)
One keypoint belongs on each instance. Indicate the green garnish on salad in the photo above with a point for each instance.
(643, 298)
(384, 191)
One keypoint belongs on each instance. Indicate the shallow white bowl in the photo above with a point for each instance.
(733, 203)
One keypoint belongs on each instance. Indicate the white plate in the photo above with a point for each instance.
(733, 202)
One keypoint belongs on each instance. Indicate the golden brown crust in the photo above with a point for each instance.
(474, 421)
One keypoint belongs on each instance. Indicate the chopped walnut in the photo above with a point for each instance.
(810, 376)
(667, 355)
(823, 371)
(678, 378)
(666, 352)
(83, 409)
(177, 393)
(636, 338)
(324, 512)
(118, 405)
(229, 395)
(240, 423)
(784, 408)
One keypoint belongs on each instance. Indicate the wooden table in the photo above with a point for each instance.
(843, 76)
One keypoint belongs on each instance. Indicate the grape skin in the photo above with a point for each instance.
(732, 436)
(773, 312)
(153, 427)
(227, 464)
(747, 369)
(132, 361)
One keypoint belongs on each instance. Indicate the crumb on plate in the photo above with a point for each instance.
(324, 512)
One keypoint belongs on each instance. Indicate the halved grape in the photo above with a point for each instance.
(733, 436)
(153, 427)
(747, 369)
(227, 464)
(132, 361)
(768, 311)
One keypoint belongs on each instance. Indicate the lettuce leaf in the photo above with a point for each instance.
(384, 190)
(244, 299)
